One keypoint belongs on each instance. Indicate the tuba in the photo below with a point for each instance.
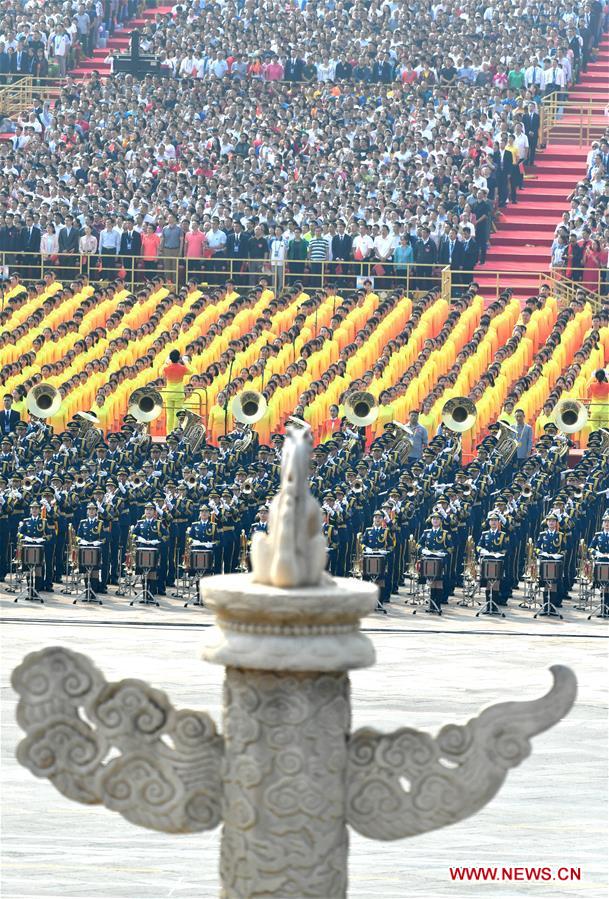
(88, 433)
(248, 407)
(507, 442)
(193, 430)
(570, 416)
(43, 401)
(361, 408)
(459, 414)
(358, 558)
(402, 440)
(145, 404)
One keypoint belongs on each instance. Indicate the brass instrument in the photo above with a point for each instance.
(361, 408)
(531, 575)
(72, 547)
(570, 416)
(402, 440)
(248, 407)
(358, 558)
(470, 572)
(459, 414)
(186, 556)
(43, 401)
(89, 434)
(193, 430)
(145, 404)
(507, 442)
(585, 575)
(130, 553)
(243, 566)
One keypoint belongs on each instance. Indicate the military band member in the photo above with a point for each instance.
(494, 542)
(34, 530)
(551, 542)
(435, 540)
(152, 532)
(599, 545)
(378, 539)
(91, 531)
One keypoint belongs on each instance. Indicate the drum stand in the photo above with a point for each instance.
(602, 610)
(548, 609)
(15, 577)
(531, 594)
(145, 596)
(490, 606)
(469, 593)
(193, 580)
(431, 609)
(29, 593)
(88, 595)
(585, 594)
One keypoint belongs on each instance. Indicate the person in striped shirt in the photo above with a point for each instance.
(319, 252)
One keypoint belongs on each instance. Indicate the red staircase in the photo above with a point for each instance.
(525, 231)
(119, 42)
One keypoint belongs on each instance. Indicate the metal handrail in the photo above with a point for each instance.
(412, 278)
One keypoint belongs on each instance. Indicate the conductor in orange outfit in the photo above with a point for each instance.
(174, 373)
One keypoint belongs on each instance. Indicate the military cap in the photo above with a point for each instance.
(111, 483)
(149, 506)
(551, 517)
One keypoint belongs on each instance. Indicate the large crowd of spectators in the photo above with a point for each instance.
(580, 249)
(288, 134)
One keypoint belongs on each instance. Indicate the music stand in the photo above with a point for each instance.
(491, 570)
(32, 556)
(601, 577)
(550, 571)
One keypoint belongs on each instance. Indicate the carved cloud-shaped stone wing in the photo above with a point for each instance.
(119, 744)
(406, 782)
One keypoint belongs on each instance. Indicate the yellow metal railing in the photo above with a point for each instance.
(412, 279)
(16, 97)
(571, 121)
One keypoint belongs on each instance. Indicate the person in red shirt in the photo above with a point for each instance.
(174, 373)
(194, 248)
(151, 243)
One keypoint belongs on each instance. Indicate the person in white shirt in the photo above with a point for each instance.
(59, 47)
(277, 248)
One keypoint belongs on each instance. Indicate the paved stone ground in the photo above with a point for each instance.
(430, 671)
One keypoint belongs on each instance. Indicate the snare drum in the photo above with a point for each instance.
(374, 566)
(201, 559)
(88, 557)
(431, 569)
(550, 570)
(601, 573)
(146, 558)
(32, 555)
(491, 569)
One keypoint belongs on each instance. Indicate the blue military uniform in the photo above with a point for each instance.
(92, 529)
(496, 542)
(37, 529)
(153, 529)
(377, 538)
(440, 541)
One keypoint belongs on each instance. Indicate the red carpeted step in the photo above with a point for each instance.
(510, 238)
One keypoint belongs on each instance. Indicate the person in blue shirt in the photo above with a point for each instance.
(34, 529)
(495, 542)
(377, 539)
(91, 530)
(525, 437)
(153, 532)
(437, 540)
(600, 542)
(551, 542)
